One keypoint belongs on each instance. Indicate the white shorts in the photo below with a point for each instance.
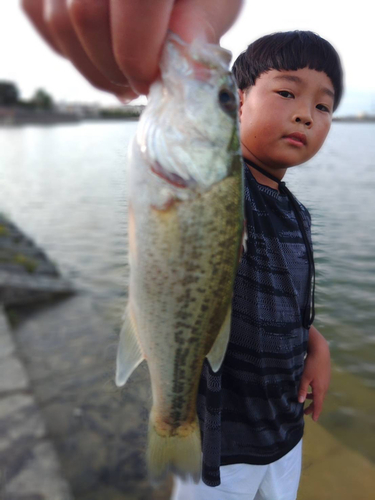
(276, 481)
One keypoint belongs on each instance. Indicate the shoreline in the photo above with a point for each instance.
(18, 116)
(63, 352)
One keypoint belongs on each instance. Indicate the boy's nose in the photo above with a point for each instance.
(304, 118)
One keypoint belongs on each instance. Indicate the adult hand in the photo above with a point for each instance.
(116, 44)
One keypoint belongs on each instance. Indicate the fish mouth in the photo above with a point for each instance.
(297, 137)
(198, 61)
(172, 178)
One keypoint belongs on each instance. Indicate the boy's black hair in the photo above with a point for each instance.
(289, 51)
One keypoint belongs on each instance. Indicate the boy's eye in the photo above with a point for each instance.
(323, 108)
(227, 101)
(285, 93)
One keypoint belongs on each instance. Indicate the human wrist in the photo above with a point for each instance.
(317, 343)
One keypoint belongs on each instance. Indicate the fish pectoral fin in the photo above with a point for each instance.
(218, 350)
(129, 353)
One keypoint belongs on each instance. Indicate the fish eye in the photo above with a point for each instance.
(227, 101)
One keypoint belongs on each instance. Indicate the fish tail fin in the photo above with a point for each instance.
(174, 450)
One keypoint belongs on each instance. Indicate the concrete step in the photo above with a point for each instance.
(29, 467)
(332, 471)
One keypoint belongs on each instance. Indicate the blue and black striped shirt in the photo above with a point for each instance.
(248, 410)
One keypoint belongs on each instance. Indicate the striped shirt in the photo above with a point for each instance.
(248, 410)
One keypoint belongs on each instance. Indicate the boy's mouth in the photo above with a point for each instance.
(296, 138)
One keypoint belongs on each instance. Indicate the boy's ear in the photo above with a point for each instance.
(241, 96)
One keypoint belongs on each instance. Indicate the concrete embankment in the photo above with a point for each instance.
(26, 273)
(29, 466)
(331, 470)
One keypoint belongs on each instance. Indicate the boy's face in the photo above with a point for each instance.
(280, 104)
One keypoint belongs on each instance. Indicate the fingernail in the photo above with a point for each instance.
(301, 399)
(124, 100)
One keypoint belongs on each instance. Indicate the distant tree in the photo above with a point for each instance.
(9, 93)
(42, 100)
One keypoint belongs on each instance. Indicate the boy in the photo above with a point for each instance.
(251, 411)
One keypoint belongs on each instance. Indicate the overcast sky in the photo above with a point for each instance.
(26, 59)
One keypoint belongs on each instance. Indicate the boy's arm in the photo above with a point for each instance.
(317, 373)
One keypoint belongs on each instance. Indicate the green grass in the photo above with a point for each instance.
(4, 231)
(29, 264)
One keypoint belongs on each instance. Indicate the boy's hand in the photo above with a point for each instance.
(317, 374)
(116, 44)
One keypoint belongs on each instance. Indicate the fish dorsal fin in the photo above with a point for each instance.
(217, 352)
(129, 353)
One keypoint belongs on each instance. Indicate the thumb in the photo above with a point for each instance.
(207, 20)
(303, 389)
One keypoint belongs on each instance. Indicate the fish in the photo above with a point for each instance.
(185, 224)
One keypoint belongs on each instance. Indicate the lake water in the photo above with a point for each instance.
(66, 187)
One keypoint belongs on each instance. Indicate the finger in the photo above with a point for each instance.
(309, 409)
(91, 21)
(34, 11)
(318, 406)
(61, 29)
(138, 31)
(303, 388)
(205, 19)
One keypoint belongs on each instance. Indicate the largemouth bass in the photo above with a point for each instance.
(185, 228)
